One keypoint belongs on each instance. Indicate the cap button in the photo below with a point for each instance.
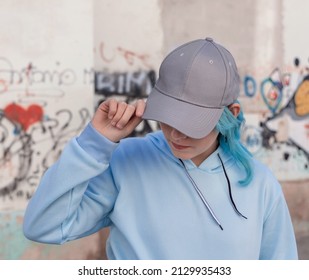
(209, 39)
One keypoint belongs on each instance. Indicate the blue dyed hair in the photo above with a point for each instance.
(229, 128)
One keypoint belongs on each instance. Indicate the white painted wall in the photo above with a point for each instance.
(127, 35)
(44, 100)
(45, 48)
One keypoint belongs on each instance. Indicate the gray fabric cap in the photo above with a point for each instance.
(196, 81)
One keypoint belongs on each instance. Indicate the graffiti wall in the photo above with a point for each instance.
(45, 94)
(128, 55)
(279, 133)
(59, 59)
(277, 97)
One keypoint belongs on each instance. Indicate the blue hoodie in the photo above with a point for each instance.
(143, 193)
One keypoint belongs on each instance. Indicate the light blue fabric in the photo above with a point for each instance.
(139, 189)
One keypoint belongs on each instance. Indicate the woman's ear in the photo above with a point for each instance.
(235, 109)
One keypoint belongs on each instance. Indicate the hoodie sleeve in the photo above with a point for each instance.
(76, 194)
(278, 239)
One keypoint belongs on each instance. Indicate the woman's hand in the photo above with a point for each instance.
(116, 119)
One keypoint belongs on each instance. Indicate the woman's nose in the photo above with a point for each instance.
(177, 135)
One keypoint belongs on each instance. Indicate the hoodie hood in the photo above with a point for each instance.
(211, 164)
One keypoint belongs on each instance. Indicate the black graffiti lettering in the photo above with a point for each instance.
(88, 76)
(104, 83)
(137, 84)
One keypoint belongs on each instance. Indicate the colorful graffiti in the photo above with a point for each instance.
(30, 144)
(280, 91)
(280, 136)
(34, 125)
(23, 117)
(31, 136)
(301, 98)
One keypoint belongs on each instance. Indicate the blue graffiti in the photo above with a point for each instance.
(249, 86)
(272, 103)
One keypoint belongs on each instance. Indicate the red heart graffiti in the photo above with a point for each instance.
(24, 117)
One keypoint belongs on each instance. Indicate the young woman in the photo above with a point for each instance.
(188, 191)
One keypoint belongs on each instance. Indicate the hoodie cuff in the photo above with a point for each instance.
(95, 144)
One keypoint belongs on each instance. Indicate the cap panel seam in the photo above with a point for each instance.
(225, 86)
(198, 105)
(188, 69)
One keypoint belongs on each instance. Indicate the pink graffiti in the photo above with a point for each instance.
(130, 57)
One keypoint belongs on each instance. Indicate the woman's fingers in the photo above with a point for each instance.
(140, 108)
(124, 115)
(116, 119)
(122, 112)
(118, 113)
(112, 108)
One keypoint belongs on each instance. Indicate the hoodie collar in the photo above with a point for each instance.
(211, 164)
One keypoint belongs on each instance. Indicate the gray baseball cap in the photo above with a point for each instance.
(196, 81)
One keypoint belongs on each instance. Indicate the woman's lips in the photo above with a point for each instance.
(179, 147)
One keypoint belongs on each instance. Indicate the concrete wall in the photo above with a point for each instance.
(46, 47)
(67, 56)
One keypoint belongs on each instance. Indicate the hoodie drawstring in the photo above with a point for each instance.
(201, 196)
(230, 189)
(204, 199)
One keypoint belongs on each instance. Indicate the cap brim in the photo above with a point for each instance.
(192, 120)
